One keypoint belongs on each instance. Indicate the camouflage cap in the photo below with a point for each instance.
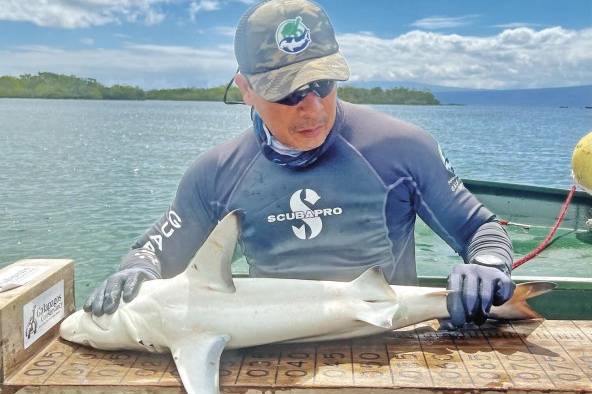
(281, 45)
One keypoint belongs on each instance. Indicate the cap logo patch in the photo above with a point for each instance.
(292, 36)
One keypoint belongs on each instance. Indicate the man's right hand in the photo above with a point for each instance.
(105, 298)
(475, 288)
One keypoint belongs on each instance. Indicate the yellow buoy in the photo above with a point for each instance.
(581, 163)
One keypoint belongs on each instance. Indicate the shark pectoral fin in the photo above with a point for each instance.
(379, 314)
(371, 286)
(210, 267)
(198, 360)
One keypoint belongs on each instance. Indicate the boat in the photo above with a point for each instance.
(531, 212)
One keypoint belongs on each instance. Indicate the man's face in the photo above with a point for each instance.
(304, 126)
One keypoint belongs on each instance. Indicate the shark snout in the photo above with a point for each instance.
(86, 329)
(108, 332)
(70, 328)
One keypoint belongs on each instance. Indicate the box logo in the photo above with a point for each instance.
(42, 313)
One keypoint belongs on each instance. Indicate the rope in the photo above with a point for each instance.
(547, 241)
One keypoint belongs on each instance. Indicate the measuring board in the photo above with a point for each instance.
(539, 355)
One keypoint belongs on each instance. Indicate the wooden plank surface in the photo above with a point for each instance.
(551, 356)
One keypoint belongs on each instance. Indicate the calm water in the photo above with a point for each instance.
(82, 179)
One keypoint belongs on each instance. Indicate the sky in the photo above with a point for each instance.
(481, 44)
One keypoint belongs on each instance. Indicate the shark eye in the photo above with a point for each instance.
(148, 346)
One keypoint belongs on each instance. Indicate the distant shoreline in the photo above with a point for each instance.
(69, 87)
(197, 100)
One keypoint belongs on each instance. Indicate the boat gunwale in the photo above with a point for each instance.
(579, 194)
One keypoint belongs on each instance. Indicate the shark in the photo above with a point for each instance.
(204, 310)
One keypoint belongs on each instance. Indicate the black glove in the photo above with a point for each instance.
(105, 298)
(475, 288)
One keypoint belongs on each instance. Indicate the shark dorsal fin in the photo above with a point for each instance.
(210, 266)
(371, 286)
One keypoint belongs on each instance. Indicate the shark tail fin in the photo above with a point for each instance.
(517, 308)
(371, 286)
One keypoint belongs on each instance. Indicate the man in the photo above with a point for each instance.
(327, 189)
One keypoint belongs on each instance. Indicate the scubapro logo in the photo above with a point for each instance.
(445, 160)
(169, 223)
(454, 182)
(301, 210)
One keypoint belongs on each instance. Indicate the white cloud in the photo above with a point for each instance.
(515, 25)
(202, 5)
(72, 14)
(87, 41)
(197, 6)
(514, 58)
(444, 22)
(224, 30)
(148, 66)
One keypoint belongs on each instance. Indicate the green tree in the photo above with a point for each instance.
(51, 85)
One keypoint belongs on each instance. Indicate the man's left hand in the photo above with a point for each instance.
(475, 288)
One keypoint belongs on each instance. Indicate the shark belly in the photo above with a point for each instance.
(267, 310)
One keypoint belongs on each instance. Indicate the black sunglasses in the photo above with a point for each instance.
(321, 88)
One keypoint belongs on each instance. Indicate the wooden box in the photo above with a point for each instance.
(30, 313)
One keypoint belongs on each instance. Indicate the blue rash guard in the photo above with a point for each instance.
(349, 205)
